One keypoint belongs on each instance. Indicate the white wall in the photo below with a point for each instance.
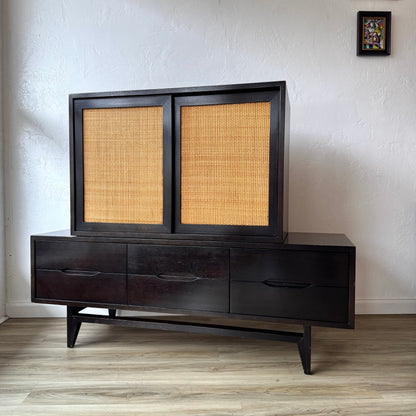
(2, 265)
(352, 148)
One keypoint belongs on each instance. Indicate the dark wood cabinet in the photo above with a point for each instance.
(309, 279)
(179, 204)
(211, 161)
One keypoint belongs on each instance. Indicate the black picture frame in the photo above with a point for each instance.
(373, 33)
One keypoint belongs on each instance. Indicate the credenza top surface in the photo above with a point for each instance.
(294, 240)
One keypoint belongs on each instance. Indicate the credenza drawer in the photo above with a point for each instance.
(81, 286)
(80, 256)
(323, 268)
(289, 300)
(179, 292)
(178, 277)
(165, 260)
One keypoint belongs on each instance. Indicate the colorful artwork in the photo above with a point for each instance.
(374, 33)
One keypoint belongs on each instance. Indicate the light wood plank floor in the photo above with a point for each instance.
(126, 371)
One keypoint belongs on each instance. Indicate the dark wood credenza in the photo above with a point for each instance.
(309, 279)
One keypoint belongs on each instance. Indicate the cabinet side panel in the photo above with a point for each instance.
(123, 165)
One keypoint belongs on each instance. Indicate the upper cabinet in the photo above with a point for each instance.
(203, 162)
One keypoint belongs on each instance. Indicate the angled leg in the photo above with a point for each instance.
(112, 313)
(304, 346)
(72, 326)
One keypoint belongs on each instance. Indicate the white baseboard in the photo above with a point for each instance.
(3, 319)
(385, 306)
(362, 307)
(41, 310)
(34, 310)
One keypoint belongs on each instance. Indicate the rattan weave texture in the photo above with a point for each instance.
(225, 164)
(123, 165)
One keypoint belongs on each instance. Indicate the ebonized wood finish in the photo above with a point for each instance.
(309, 280)
(172, 99)
(78, 103)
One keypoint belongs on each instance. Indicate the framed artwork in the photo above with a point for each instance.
(373, 33)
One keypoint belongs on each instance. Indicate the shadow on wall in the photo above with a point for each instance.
(332, 190)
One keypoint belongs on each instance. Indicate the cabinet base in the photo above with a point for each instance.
(303, 340)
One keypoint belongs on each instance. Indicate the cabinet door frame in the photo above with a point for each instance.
(78, 224)
(171, 228)
(276, 168)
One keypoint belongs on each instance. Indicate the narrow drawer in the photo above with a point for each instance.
(323, 268)
(315, 303)
(202, 262)
(80, 256)
(81, 286)
(179, 292)
(174, 277)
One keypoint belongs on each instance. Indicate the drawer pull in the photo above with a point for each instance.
(178, 277)
(275, 283)
(86, 273)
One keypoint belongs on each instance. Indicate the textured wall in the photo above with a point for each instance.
(2, 257)
(353, 118)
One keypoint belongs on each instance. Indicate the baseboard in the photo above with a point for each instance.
(385, 306)
(42, 310)
(362, 307)
(3, 319)
(34, 310)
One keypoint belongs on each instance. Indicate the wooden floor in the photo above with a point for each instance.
(128, 371)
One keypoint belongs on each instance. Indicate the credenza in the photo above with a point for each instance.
(309, 280)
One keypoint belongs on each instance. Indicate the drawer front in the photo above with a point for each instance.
(201, 262)
(314, 303)
(80, 256)
(81, 286)
(314, 267)
(179, 277)
(181, 292)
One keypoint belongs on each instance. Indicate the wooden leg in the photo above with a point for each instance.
(303, 340)
(72, 326)
(304, 346)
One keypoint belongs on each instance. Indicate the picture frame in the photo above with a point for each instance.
(373, 33)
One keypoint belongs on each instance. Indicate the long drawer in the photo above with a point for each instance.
(91, 287)
(189, 278)
(80, 256)
(313, 267)
(280, 300)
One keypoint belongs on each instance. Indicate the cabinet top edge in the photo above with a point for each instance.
(295, 240)
(184, 90)
(320, 239)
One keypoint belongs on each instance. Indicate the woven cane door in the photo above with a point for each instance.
(224, 167)
(123, 150)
